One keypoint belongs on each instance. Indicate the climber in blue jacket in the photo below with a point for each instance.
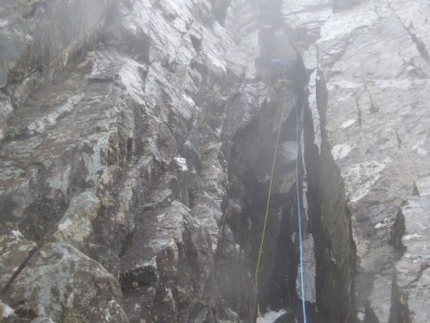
(285, 71)
(277, 68)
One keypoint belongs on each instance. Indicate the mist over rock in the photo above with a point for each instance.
(139, 141)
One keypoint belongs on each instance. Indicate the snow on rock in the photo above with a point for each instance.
(341, 151)
(5, 310)
(360, 177)
(270, 317)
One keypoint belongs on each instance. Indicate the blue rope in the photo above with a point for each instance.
(299, 216)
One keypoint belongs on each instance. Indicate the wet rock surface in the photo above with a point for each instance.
(111, 129)
(136, 146)
(373, 58)
(84, 291)
(38, 39)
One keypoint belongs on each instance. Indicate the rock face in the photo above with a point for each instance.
(111, 117)
(37, 41)
(83, 290)
(374, 61)
(139, 141)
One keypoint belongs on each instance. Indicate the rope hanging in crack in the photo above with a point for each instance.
(257, 268)
(299, 215)
(299, 207)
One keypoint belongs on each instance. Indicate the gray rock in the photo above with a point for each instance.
(412, 270)
(6, 110)
(143, 133)
(38, 35)
(376, 125)
(15, 250)
(75, 227)
(62, 284)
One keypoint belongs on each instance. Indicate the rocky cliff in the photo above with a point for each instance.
(373, 58)
(139, 141)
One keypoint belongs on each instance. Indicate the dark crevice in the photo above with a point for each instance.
(20, 269)
(280, 291)
(277, 288)
(421, 47)
(251, 154)
(397, 230)
(399, 311)
(327, 210)
(420, 44)
(197, 43)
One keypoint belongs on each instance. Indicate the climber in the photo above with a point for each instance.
(285, 71)
(282, 71)
(277, 67)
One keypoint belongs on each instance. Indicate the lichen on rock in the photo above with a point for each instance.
(80, 287)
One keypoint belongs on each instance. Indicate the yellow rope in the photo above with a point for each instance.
(268, 202)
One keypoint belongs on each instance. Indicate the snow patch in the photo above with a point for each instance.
(348, 123)
(270, 317)
(422, 152)
(341, 151)
(5, 311)
(359, 178)
(181, 163)
(411, 236)
(63, 226)
(383, 224)
(17, 236)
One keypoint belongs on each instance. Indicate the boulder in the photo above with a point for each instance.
(61, 284)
